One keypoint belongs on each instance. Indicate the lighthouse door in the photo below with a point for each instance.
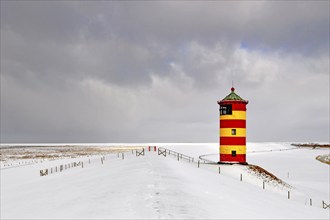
(233, 153)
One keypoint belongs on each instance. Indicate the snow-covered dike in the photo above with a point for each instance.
(154, 186)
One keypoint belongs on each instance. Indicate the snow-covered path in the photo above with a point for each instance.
(149, 186)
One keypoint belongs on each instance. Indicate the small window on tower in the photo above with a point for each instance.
(225, 110)
(233, 131)
(233, 153)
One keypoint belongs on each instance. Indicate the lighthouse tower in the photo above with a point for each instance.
(233, 129)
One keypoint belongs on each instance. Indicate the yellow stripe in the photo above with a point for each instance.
(227, 149)
(227, 132)
(235, 115)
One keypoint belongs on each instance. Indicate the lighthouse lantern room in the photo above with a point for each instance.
(233, 129)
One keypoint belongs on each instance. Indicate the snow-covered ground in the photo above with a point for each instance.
(154, 186)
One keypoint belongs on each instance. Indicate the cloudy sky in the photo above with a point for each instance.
(143, 71)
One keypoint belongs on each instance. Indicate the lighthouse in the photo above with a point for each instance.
(233, 129)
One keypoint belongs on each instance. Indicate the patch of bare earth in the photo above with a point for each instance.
(267, 176)
(325, 158)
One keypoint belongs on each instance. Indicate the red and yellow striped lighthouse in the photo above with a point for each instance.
(233, 129)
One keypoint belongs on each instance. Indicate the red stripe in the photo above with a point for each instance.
(233, 102)
(232, 140)
(236, 106)
(240, 158)
(239, 106)
(232, 123)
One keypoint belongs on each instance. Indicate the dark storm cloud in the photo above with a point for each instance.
(294, 25)
(87, 71)
(129, 40)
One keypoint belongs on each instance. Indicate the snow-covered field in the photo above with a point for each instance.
(154, 186)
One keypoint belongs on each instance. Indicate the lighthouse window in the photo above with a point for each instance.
(233, 131)
(225, 110)
(233, 153)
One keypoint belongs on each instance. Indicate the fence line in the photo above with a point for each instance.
(62, 167)
(179, 156)
(201, 157)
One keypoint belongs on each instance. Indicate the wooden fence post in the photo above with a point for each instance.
(42, 173)
(89, 160)
(140, 153)
(82, 164)
(263, 184)
(198, 163)
(101, 160)
(241, 177)
(122, 156)
(219, 170)
(178, 156)
(324, 205)
(288, 194)
(160, 152)
(310, 202)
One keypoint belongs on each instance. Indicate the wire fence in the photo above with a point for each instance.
(161, 151)
(264, 184)
(179, 156)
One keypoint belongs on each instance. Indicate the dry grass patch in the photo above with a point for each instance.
(267, 176)
(324, 158)
(112, 149)
(312, 145)
(56, 152)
